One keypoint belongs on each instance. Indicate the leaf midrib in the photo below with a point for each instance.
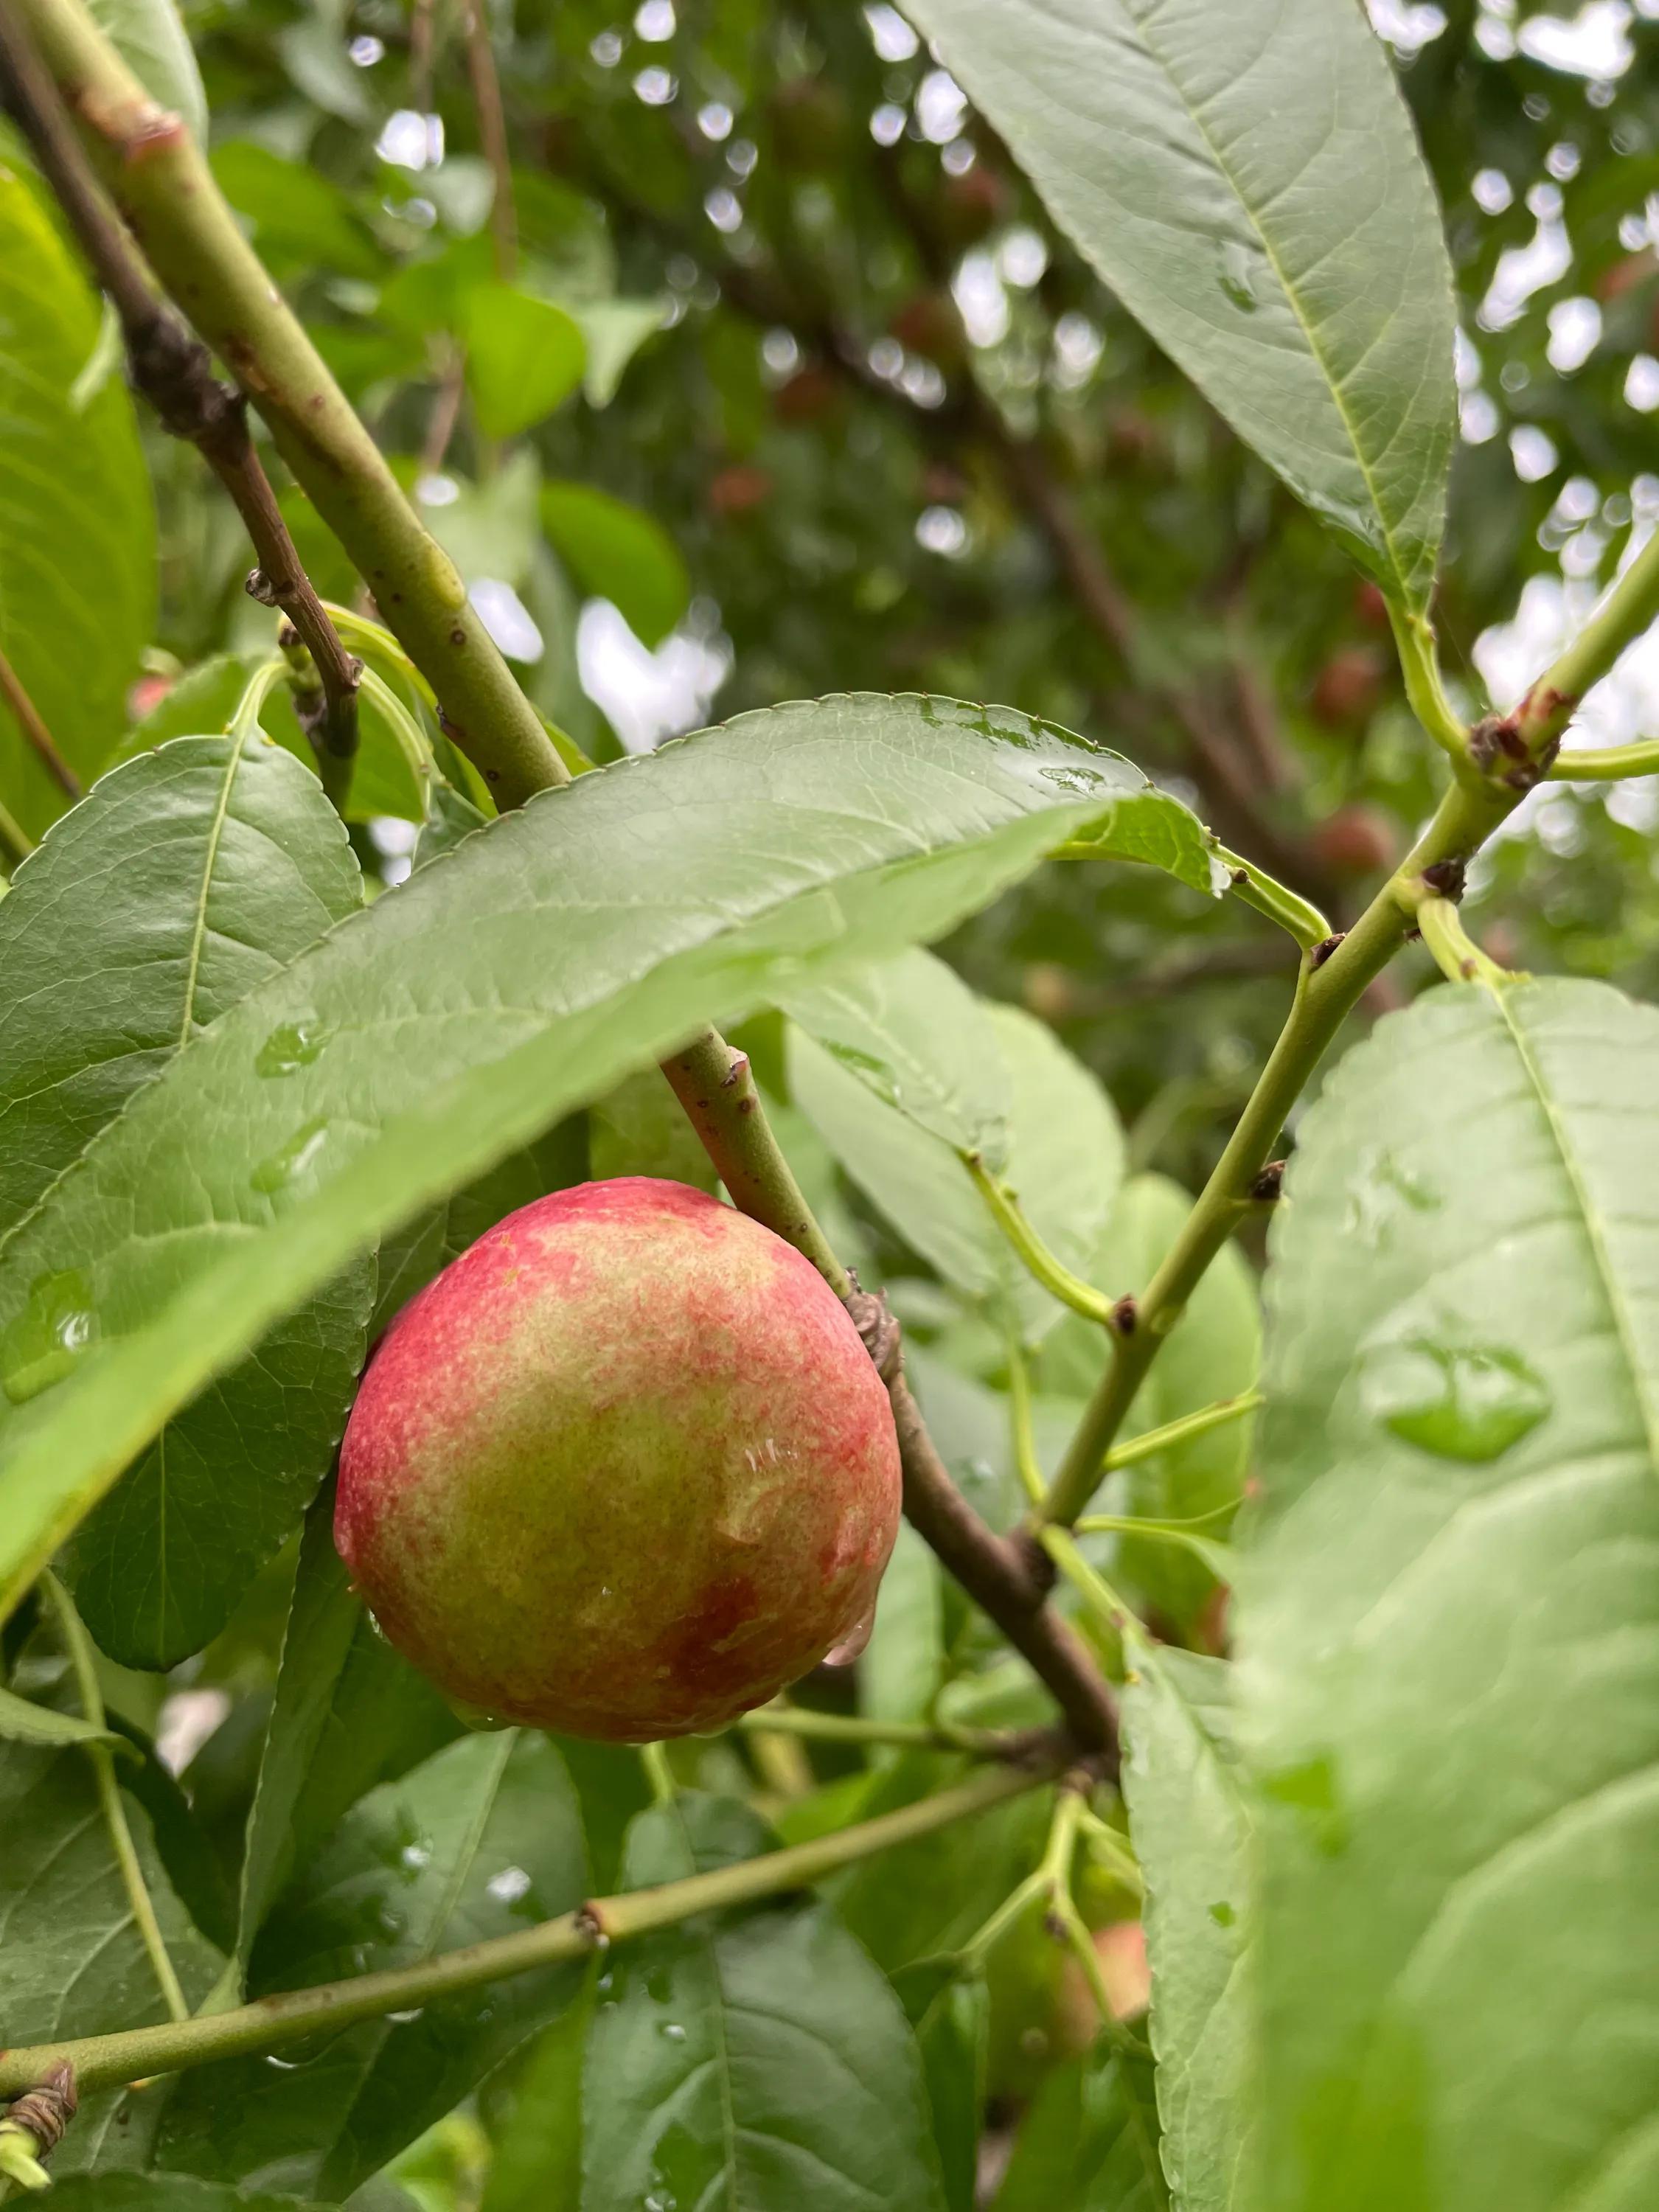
(1338, 398)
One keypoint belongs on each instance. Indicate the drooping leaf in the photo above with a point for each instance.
(524, 356)
(21, 1721)
(482, 1838)
(154, 44)
(1449, 1678)
(1246, 180)
(901, 1668)
(951, 2015)
(753, 2058)
(77, 526)
(76, 1964)
(1189, 1819)
(348, 1714)
(619, 553)
(911, 1030)
(186, 879)
(527, 977)
(1088, 2141)
(536, 2160)
(1063, 1152)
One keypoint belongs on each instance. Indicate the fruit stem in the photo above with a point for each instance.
(102, 2062)
(902, 1735)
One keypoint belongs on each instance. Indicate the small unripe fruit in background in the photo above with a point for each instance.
(927, 324)
(738, 489)
(624, 1469)
(1357, 841)
(1348, 687)
(972, 204)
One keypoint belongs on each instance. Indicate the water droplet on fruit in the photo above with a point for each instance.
(289, 1048)
(290, 1161)
(42, 1343)
(848, 1649)
(1383, 1194)
(1238, 275)
(1464, 1402)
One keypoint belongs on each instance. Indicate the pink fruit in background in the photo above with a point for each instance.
(624, 1469)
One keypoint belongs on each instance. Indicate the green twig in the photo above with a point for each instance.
(78, 1645)
(1425, 690)
(1333, 977)
(1182, 1431)
(1055, 1277)
(1027, 1464)
(902, 1735)
(1277, 900)
(163, 184)
(102, 2062)
(16, 843)
(1607, 763)
(1459, 958)
(1628, 609)
(654, 1757)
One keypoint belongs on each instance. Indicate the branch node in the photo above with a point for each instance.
(1322, 951)
(1266, 1186)
(882, 1336)
(41, 2114)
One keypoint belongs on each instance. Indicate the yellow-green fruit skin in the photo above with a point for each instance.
(624, 1469)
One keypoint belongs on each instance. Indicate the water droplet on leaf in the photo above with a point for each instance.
(1383, 1195)
(673, 2030)
(1464, 1402)
(290, 1161)
(289, 1048)
(41, 1344)
(1238, 275)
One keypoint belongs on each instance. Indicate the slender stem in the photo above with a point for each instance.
(1327, 992)
(16, 843)
(79, 1647)
(492, 135)
(654, 1757)
(1627, 610)
(33, 725)
(1607, 763)
(1112, 1611)
(902, 1735)
(1300, 916)
(1027, 1465)
(1459, 958)
(1055, 1277)
(716, 1087)
(1419, 664)
(100, 2061)
(174, 374)
(1151, 1441)
(197, 248)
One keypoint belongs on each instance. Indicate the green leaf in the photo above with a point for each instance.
(1190, 1819)
(912, 1031)
(186, 879)
(76, 1964)
(299, 218)
(1246, 180)
(1214, 1352)
(1088, 2141)
(901, 1668)
(538, 2152)
(526, 977)
(21, 1721)
(613, 331)
(1450, 1632)
(619, 553)
(1063, 1152)
(77, 527)
(348, 1714)
(640, 1129)
(152, 42)
(524, 356)
(753, 2058)
(483, 1839)
(951, 2016)
(161, 2192)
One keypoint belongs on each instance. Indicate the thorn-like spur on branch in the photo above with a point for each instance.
(172, 371)
(33, 2127)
